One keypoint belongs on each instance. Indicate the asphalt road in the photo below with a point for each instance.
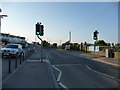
(74, 71)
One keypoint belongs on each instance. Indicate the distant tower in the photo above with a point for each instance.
(70, 36)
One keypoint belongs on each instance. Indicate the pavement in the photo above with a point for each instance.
(0, 72)
(109, 61)
(13, 61)
(31, 74)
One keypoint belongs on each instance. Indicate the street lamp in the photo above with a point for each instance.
(1, 16)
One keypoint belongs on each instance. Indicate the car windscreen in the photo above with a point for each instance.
(11, 46)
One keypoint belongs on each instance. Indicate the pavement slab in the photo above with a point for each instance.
(30, 75)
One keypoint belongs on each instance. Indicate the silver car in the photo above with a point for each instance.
(12, 49)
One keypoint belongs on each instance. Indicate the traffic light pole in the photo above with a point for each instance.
(95, 37)
(40, 31)
(41, 47)
(94, 49)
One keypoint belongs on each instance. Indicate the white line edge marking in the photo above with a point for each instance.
(101, 73)
(58, 79)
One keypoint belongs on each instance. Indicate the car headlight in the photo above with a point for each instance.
(1, 51)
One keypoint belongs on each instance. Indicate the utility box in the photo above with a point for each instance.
(106, 53)
(109, 53)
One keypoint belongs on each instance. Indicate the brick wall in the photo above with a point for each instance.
(117, 55)
(102, 53)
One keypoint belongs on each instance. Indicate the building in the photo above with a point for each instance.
(7, 38)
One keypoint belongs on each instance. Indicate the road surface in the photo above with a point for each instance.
(74, 71)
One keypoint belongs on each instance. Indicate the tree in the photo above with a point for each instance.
(117, 45)
(100, 43)
(54, 45)
(74, 46)
(66, 43)
(45, 44)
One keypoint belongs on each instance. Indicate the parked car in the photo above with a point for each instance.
(67, 47)
(12, 49)
(24, 45)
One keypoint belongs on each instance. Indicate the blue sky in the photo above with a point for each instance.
(58, 18)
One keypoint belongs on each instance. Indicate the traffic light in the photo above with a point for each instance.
(41, 30)
(37, 29)
(95, 36)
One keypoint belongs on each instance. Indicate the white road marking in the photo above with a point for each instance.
(60, 72)
(33, 60)
(88, 67)
(58, 79)
(101, 73)
(59, 76)
(63, 86)
(44, 60)
(67, 64)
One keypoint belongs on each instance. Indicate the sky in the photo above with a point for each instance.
(59, 18)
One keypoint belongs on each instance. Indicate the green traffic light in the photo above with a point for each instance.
(38, 32)
(95, 37)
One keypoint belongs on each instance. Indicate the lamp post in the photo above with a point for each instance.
(1, 16)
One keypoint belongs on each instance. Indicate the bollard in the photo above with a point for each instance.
(23, 56)
(9, 70)
(20, 59)
(26, 54)
(15, 61)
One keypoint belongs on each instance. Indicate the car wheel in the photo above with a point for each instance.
(2, 55)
